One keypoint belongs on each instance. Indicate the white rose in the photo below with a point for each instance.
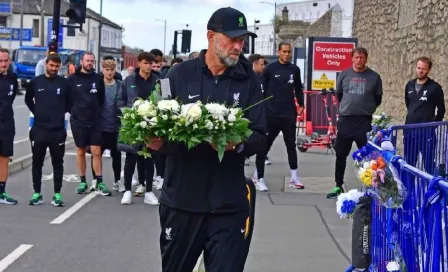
(143, 124)
(217, 111)
(195, 126)
(137, 103)
(146, 109)
(165, 117)
(231, 118)
(234, 111)
(209, 125)
(168, 105)
(192, 111)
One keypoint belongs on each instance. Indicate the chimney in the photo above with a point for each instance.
(285, 12)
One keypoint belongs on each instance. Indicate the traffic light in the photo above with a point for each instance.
(186, 41)
(77, 11)
(246, 47)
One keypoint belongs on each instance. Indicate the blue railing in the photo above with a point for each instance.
(415, 235)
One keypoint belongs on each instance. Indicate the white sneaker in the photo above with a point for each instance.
(156, 181)
(160, 185)
(296, 184)
(106, 153)
(119, 186)
(140, 190)
(127, 198)
(135, 182)
(93, 185)
(260, 185)
(267, 161)
(151, 199)
(247, 162)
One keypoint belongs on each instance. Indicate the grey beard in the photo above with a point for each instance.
(227, 61)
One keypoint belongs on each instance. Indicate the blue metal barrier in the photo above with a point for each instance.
(415, 234)
(424, 145)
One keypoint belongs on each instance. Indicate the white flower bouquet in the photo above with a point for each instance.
(210, 123)
(380, 121)
(191, 124)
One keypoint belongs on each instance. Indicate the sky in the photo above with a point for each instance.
(143, 20)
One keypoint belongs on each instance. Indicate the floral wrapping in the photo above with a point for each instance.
(380, 179)
(380, 121)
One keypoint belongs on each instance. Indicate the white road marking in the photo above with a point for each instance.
(21, 140)
(78, 205)
(13, 256)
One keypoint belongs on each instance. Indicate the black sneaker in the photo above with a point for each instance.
(335, 192)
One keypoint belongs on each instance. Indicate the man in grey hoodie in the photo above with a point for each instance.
(110, 122)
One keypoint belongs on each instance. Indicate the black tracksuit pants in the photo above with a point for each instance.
(276, 125)
(54, 140)
(145, 169)
(224, 238)
(110, 142)
(160, 161)
(343, 147)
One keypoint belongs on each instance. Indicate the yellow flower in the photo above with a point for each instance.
(366, 177)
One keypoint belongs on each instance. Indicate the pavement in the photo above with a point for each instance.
(293, 228)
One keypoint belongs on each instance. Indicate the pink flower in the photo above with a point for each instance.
(374, 178)
(381, 174)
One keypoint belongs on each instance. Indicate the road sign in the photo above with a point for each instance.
(332, 56)
(323, 83)
(61, 32)
(13, 34)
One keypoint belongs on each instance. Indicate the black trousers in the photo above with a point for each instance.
(110, 142)
(276, 125)
(343, 147)
(224, 238)
(145, 169)
(160, 162)
(55, 141)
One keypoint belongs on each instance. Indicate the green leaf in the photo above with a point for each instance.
(221, 150)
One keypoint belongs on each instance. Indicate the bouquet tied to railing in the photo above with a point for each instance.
(379, 177)
(380, 121)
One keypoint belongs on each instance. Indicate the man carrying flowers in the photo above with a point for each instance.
(204, 200)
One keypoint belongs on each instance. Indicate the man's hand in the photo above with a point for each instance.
(230, 146)
(300, 110)
(155, 143)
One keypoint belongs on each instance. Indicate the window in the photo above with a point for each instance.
(35, 28)
(71, 32)
(3, 21)
(314, 4)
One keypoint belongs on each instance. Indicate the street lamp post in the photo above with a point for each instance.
(164, 35)
(275, 16)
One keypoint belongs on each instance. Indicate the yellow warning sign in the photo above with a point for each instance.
(323, 83)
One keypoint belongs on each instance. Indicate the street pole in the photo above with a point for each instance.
(42, 23)
(164, 40)
(53, 46)
(275, 35)
(100, 30)
(21, 23)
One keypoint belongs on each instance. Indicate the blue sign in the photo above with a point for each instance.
(13, 34)
(5, 8)
(61, 32)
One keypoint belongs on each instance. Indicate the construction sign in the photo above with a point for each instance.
(323, 83)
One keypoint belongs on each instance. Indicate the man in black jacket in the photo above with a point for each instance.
(139, 84)
(87, 88)
(422, 97)
(282, 80)
(48, 98)
(204, 203)
(8, 92)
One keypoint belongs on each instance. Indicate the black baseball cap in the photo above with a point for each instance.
(230, 22)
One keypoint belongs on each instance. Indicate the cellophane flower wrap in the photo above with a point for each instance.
(347, 202)
(380, 121)
(379, 178)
